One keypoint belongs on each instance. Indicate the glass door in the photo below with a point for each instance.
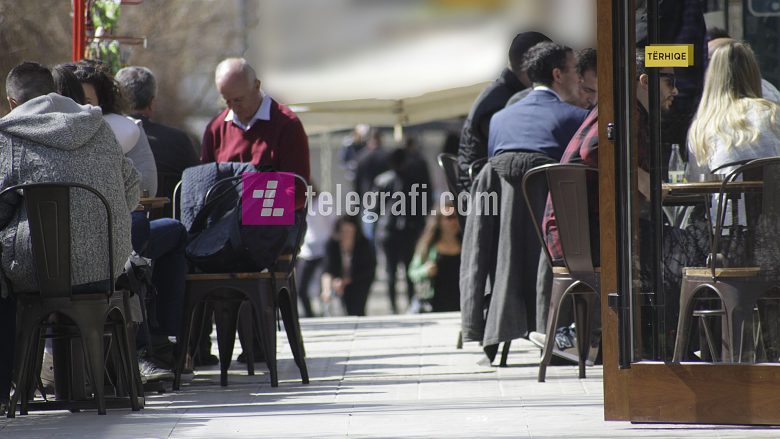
(685, 341)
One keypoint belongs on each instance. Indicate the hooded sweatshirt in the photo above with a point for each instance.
(53, 139)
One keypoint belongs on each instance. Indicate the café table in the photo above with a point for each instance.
(152, 206)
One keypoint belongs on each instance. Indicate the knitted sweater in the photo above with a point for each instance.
(53, 139)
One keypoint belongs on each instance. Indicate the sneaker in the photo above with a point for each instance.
(150, 372)
(537, 338)
(565, 346)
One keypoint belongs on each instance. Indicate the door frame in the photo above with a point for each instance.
(654, 391)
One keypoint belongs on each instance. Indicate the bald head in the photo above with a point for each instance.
(234, 69)
(238, 84)
(714, 44)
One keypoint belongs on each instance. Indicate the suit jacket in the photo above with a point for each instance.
(539, 123)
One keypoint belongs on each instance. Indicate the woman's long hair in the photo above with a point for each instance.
(432, 234)
(108, 91)
(732, 88)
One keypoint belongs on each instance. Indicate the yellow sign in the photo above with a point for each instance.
(669, 55)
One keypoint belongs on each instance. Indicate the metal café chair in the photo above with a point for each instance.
(579, 279)
(94, 314)
(739, 288)
(258, 297)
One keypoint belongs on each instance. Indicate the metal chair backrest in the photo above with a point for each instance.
(475, 167)
(176, 201)
(48, 215)
(568, 191)
(449, 164)
(762, 201)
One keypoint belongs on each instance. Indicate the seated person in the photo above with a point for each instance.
(172, 148)
(161, 240)
(349, 266)
(733, 122)
(56, 139)
(436, 264)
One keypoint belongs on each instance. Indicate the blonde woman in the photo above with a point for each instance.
(733, 122)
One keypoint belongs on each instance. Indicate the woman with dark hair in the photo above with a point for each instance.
(67, 84)
(435, 268)
(101, 90)
(349, 266)
(162, 240)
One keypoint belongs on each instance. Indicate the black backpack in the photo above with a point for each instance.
(220, 243)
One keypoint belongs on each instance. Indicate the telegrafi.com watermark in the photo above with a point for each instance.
(374, 204)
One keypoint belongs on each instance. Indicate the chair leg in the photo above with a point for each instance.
(288, 305)
(247, 335)
(505, 353)
(265, 317)
(684, 321)
(583, 306)
(28, 330)
(558, 288)
(126, 360)
(459, 343)
(226, 319)
(93, 347)
(183, 339)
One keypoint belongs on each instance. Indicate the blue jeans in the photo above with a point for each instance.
(163, 241)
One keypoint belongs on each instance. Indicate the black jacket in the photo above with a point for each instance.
(173, 153)
(474, 136)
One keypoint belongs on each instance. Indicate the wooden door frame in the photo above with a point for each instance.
(655, 391)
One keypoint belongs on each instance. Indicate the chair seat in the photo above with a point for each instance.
(722, 272)
(228, 276)
(564, 270)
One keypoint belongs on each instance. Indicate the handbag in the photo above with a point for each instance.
(220, 243)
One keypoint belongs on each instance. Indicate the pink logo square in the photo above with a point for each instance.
(267, 198)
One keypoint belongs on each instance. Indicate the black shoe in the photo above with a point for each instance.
(205, 360)
(259, 357)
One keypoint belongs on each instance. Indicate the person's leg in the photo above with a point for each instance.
(7, 346)
(408, 247)
(392, 259)
(140, 231)
(168, 239)
(305, 275)
(543, 292)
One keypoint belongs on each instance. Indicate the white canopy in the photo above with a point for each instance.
(435, 77)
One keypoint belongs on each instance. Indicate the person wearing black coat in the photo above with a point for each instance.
(474, 135)
(349, 266)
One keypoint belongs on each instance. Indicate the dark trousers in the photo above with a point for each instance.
(7, 346)
(307, 273)
(163, 241)
(398, 251)
(355, 298)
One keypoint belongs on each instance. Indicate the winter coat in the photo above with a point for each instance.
(500, 253)
(53, 139)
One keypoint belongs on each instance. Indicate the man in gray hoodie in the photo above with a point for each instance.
(50, 138)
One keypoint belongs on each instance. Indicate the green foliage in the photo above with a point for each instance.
(105, 16)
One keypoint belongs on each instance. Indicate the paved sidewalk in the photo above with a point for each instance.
(392, 376)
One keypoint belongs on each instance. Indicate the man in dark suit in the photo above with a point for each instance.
(527, 134)
(544, 121)
(172, 148)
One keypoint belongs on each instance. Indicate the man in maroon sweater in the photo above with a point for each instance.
(254, 128)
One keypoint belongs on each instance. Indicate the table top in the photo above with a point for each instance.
(710, 187)
(148, 203)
